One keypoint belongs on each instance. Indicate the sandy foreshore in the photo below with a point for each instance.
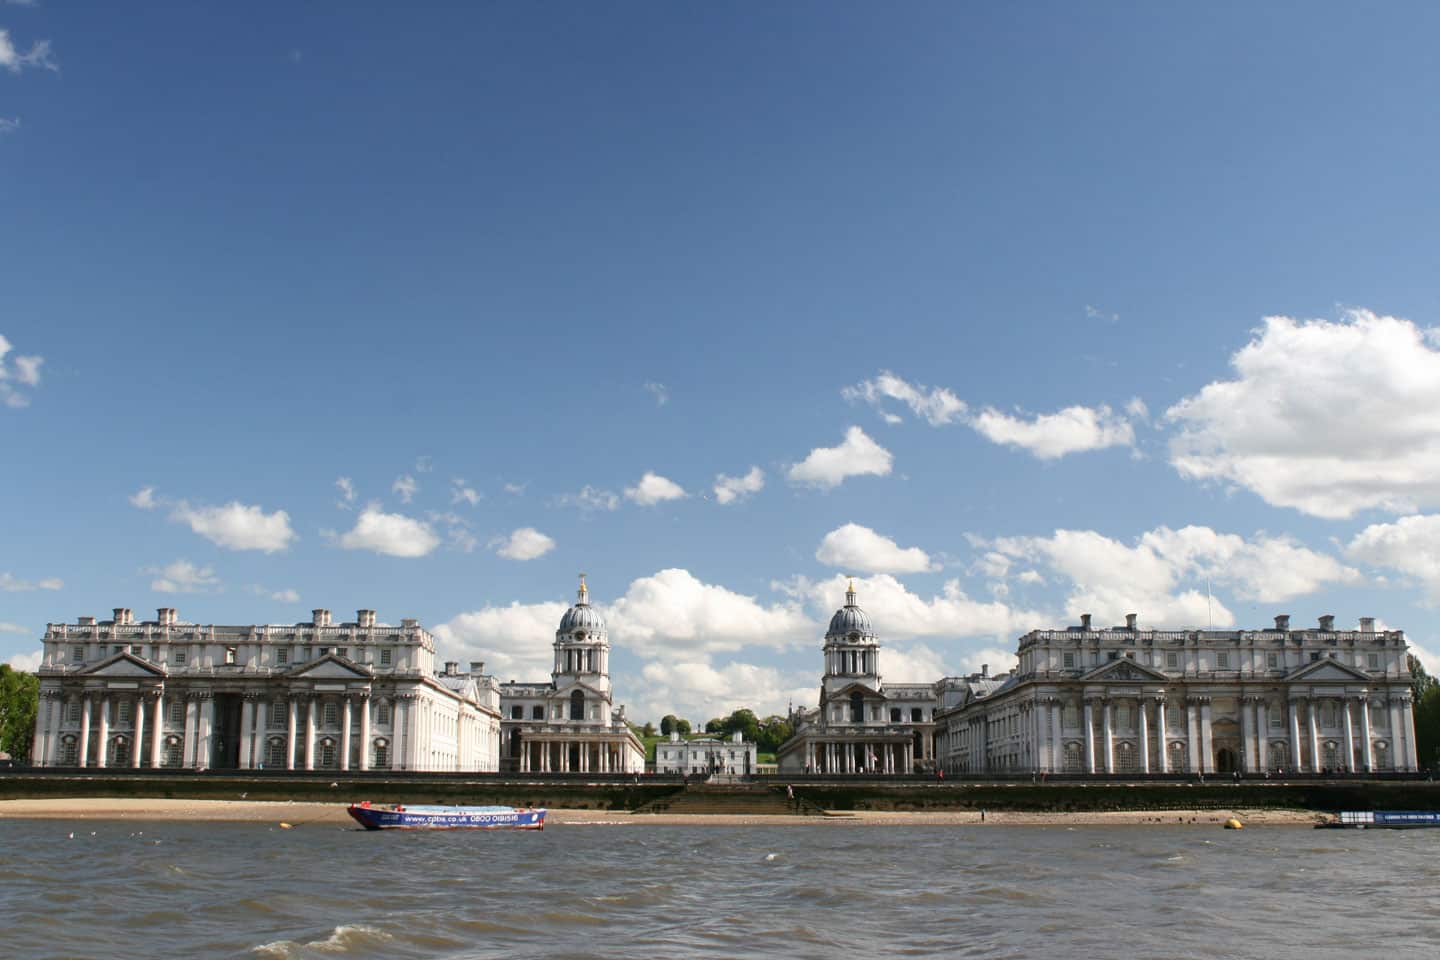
(299, 814)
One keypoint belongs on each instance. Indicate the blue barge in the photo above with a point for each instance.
(405, 817)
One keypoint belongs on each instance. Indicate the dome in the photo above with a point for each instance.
(581, 617)
(850, 619)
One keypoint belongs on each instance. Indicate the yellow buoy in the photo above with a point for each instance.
(1233, 824)
(285, 826)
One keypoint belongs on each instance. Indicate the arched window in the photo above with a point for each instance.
(577, 706)
(1279, 755)
(857, 708)
(1382, 755)
(69, 752)
(327, 754)
(1074, 758)
(1332, 755)
(119, 752)
(1127, 758)
(894, 714)
(382, 754)
(173, 756)
(275, 753)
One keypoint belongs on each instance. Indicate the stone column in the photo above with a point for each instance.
(1369, 745)
(1143, 725)
(204, 748)
(1207, 747)
(1315, 759)
(40, 743)
(1262, 735)
(1161, 735)
(139, 738)
(157, 735)
(345, 731)
(1109, 721)
(247, 732)
(101, 760)
(1192, 735)
(365, 707)
(1057, 738)
(1349, 737)
(1089, 736)
(1407, 724)
(85, 711)
(1397, 752)
(310, 704)
(1247, 741)
(1296, 765)
(292, 737)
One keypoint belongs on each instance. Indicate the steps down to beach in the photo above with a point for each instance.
(732, 799)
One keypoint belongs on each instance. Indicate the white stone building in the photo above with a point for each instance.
(706, 756)
(1127, 700)
(862, 724)
(307, 696)
(569, 725)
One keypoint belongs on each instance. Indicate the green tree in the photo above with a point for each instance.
(1426, 690)
(648, 730)
(19, 701)
(774, 730)
(668, 724)
(717, 725)
(744, 722)
(683, 726)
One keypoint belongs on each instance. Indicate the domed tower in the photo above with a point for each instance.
(852, 651)
(582, 647)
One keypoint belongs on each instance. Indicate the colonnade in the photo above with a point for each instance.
(859, 756)
(559, 756)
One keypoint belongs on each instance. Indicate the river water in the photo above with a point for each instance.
(822, 890)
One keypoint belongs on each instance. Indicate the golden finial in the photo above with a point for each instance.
(584, 590)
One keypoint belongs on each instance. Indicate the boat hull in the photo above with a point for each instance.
(447, 818)
(1384, 820)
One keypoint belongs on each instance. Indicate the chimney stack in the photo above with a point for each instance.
(1327, 622)
(1282, 622)
(365, 618)
(320, 618)
(1130, 619)
(1085, 622)
(984, 669)
(1367, 624)
(123, 616)
(165, 616)
(477, 666)
(452, 667)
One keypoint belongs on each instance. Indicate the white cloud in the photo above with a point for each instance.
(697, 690)
(1163, 575)
(9, 125)
(6, 627)
(1137, 410)
(899, 614)
(25, 370)
(857, 455)
(347, 493)
(659, 391)
(457, 531)
(238, 526)
(182, 576)
(424, 464)
(729, 489)
(26, 662)
(459, 493)
(391, 534)
(144, 498)
(936, 405)
(286, 596)
(653, 489)
(517, 489)
(1410, 545)
(37, 56)
(514, 641)
(1329, 418)
(526, 543)
(590, 498)
(405, 486)
(1097, 314)
(1053, 435)
(853, 547)
(673, 611)
(10, 584)
(1031, 577)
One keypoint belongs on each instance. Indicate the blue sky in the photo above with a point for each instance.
(975, 298)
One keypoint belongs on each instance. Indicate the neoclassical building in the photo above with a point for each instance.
(1129, 700)
(862, 724)
(569, 725)
(306, 696)
(735, 757)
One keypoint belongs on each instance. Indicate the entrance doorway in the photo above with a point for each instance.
(1226, 761)
(225, 739)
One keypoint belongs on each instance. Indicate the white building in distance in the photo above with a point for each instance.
(862, 725)
(569, 725)
(736, 757)
(303, 696)
(1127, 700)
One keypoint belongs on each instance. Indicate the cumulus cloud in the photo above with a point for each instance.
(347, 493)
(10, 584)
(457, 530)
(144, 498)
(698, 690)
(1162, 576)
(514, 641)
(405, 486)
(1410, 546)
(1053, 435)
(589, 498)
(853, 547)
(899, 614)
(659, 391)
(22, 370)
(238, 526)
(937, 406)
(674, 611)
(13, 60)
(182, 576)
(1329, 418)
(653, 489)
(391, 534)
(730, 489)
(25, 662)
(828, 467)
(517, 489)
(460, 493)
(526, 543)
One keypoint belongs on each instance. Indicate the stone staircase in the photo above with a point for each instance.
(733, 799)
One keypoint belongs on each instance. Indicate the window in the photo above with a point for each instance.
(69, 753)
(894, 714)
(915, 715)
(342, 652)
(277, 714)
(179, 656)
(327, 754)
(1272, 661)
(117, 648)
(517, 712)
(275, 753)
(1071, 716)
(177, 712)
(155, 654)
(282, 656)
(1372, 661)
(1112, 655)
(1172, 660)
(537, 712)
(382, 754)
(77, 654)
(332, 714)
(230, 656)
(1222, 660)
(385, 655)
(382, 713)
(137, 649)
(172, 752)
(1276, 714)
(75, 712)
(1314, 656)
(122, 711)
(577, 706)
(1122, 716)
(1069, 660)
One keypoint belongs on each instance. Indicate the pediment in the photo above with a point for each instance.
(569, 688)
(1329, 669)
(866, 691)
(331, 667)
(1124, 670)
(124, 665)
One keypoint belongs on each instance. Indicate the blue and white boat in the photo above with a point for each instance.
(406, 817)
(1383, 820)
